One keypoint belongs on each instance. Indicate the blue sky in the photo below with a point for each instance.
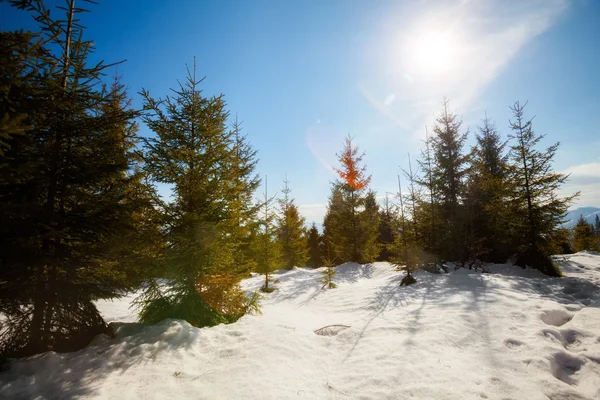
(301, 75)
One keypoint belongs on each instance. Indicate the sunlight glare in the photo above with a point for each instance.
(432, 53)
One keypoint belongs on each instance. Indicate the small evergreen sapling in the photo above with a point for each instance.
(328, 273)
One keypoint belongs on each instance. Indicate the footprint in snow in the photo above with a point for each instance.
(570, 339)
(513, 344)
(564, 366)
(556, 317)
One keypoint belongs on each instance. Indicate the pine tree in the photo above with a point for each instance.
(210, 171)
(268, 250)
(352, 214)
(584, 237)
(534, 183)
(406, 251)
(597, 225)
(489, 217)
(315, 245)
(386, 230)
(335, 226)
(244, 182)
(66, 189)
(449, 176)
(368, 231)
(427, 210)
(291, 232)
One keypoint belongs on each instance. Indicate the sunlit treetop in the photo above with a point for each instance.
(352, 171)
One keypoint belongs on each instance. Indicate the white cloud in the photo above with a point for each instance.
(313, 212)
(591, 170)
(584, 178)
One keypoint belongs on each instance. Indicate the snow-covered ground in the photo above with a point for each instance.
(512, 334)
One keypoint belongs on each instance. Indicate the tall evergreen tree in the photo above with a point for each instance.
(534, 193)
(244, 184)
(67, 193)
(490, 219)
(597, 225)
(315, 247)
(352, 217)
(449, 177)
(210, 171)
(386, 230)
(268, 249)
(427, 208)
(291, 232)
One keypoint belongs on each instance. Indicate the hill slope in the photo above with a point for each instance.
(510, 334)
(589, 214)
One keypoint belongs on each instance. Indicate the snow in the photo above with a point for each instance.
(513, 333)
(588, 214)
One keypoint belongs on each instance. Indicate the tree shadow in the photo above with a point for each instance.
(352, 272)
(79, 374)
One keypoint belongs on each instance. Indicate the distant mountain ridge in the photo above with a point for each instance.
(589, 214)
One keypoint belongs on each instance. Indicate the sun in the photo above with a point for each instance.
(432, 53)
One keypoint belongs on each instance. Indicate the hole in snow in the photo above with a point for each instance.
(331, 330)
(564, 366)
(513, 344)
(556, 317)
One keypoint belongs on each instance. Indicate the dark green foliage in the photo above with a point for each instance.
(488, 217)
(68, 189)
(538, 211)
(352, 219)
(291, 232)
(268, 249)
(426, 209)
(406, 251)
(209, 220)
(387, 223)
(244, 223)
(315, 246)
(187, 306)
(584, 236)
(449, 174)
(328, 272)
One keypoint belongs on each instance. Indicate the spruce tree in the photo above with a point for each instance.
(427, 208)
(584, 237)
(386, 230)
(368, 231)
(67, 190)
(406, 254)
(534, 184)
(210, 171)
(597, 225)
(489, 213)
(335, 226)
(291, 232)
(352, 217)
(315, 245)
(244, 183)
(449, 177)
(328, 272)
(268, 249)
